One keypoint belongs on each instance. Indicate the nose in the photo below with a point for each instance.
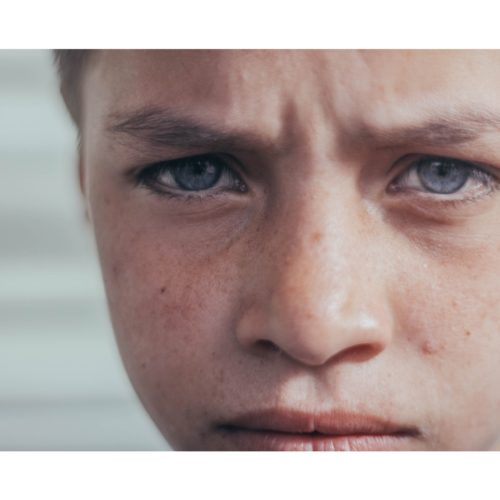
(324, 294)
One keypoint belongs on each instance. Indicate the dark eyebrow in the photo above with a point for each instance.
(440, 130)
(159, 128)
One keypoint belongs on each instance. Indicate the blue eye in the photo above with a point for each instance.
(443, 175)
(195, 173)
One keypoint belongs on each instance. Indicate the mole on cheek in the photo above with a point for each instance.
(429, 347)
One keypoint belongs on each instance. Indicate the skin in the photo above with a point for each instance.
(319, 288)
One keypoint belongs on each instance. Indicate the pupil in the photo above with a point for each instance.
(198, 170)
(443, 171)
(443, 176)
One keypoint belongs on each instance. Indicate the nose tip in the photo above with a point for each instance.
(313, 336)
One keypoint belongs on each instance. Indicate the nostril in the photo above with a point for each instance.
(267, 345)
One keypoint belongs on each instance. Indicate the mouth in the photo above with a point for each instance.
(302, 431)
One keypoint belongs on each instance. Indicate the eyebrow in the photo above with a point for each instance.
(442, 129)
(156, 127)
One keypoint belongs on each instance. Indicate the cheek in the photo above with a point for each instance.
(446, 313)
(159, 293)
(451, 305)
(446, 287)
(173, 300)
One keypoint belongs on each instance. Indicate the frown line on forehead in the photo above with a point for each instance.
(159, 128)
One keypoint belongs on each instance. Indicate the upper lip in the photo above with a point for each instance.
(333, 423)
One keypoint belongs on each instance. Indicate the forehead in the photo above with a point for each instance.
(263, 89)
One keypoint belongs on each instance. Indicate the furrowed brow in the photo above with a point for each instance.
(159, 128)
(438, 131)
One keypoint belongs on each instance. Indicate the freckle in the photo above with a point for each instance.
(162, 290)
(467, 332)
(317, 236)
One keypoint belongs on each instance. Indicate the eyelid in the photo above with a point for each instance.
(411, 160)
(409, 163)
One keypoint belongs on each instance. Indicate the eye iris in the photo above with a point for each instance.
(443, 176)
(196, 174)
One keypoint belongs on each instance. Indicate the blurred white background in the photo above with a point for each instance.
(62, 385)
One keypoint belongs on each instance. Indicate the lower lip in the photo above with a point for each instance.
(251, 440)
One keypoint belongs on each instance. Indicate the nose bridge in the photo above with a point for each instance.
(315, 264)
(325, 297)
(323, 264)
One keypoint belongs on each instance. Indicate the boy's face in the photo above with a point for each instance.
(325, 272)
